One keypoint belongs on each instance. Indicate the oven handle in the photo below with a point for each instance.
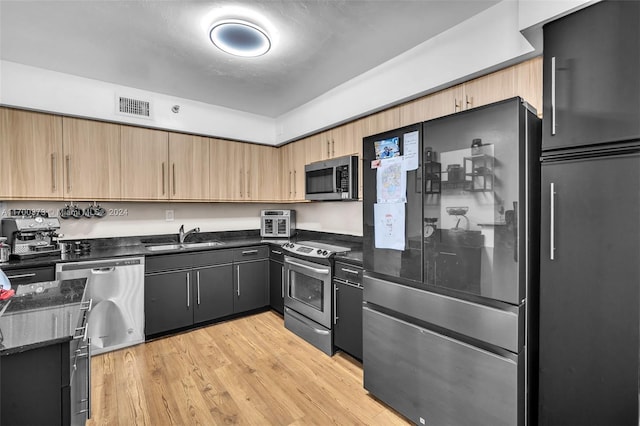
(316, 270)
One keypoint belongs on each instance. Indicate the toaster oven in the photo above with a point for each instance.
(277, 223)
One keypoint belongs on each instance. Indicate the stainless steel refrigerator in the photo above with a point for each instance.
(450, 268)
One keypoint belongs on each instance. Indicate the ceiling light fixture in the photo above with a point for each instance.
(240, 38)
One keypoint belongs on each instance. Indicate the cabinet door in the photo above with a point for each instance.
(444, 102)
(591, 68)
(227, 170)
(490, 88)
(589, 292)
(91, 160)
(293, 160)
(388, 119)
(148, 179)
(262, 173)
(213, 287)
(31, 160)
(276, 286)
(189, 157)
(250, 285)
(528, 76)
(347, 332)
(346, 140)
(168, 301)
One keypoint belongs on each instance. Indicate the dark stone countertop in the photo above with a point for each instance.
(103, 248)
(41, 314)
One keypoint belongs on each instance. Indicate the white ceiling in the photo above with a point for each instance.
(162, 46)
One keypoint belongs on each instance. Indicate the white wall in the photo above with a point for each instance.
(35, 88)
(134, 218)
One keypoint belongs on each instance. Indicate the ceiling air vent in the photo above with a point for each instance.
(133, 107)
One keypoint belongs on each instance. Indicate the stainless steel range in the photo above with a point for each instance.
(309, 299)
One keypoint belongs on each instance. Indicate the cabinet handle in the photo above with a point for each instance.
(335, 304)
(240, 183)
(290, 180)
(68, 160)
(282, 279)
(276, 252)
(198, 285)
(173, 172)
(89, 378)
(328, 149)
(468, 100)
(238, 277)
(333, 148)
(455, 105)
(247, 252)
(295, 185)
(21, 276)
(552, 224)
(350, 271)
(163, 179)
(188, 288)
(553, 95)
(54, 173)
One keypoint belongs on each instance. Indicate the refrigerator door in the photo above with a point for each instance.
(476, 212)
(406, 264)
(589, 291)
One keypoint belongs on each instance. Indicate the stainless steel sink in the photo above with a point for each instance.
(164, 247)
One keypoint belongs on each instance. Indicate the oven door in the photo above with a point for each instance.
(308, 289)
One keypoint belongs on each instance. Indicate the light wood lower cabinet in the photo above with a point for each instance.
(91, 159)
(30, 155)
(188, 168)
(145, 164)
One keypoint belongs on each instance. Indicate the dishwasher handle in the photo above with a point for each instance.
(106, 270)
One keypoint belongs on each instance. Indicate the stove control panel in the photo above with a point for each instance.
(307, 250)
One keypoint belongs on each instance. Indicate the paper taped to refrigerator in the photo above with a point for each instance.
(391, 181)
(411, 150)
(389, 224)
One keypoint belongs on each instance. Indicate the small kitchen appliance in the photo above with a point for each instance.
(333, 179)
(277, 223)
(30, 237)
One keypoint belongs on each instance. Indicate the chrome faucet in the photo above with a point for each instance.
(183, 235)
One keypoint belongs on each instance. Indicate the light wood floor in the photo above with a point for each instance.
(247, 371)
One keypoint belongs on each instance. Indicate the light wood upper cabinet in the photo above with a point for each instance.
(262, 165)
(226, 170)
(91, 160)
(336, 142)
(490, 88)
(528, 76)
(189, 168)
(30, 155)
(293, 158)
(145, 163)
(438, 104)
(388, 119)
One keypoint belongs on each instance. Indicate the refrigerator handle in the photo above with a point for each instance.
(553, 95)
(552, 223)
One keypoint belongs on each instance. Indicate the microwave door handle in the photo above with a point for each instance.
(335, 180)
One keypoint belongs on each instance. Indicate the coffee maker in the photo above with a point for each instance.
(31, 236)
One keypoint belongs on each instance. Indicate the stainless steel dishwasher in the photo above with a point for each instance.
(116, 287)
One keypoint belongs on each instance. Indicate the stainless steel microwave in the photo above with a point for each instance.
(334, 179)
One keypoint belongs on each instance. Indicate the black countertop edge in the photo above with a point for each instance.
(19, 349)
(102, 248)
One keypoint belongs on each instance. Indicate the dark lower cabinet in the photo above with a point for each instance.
(213, 296)
(347, 333)
(185, 289)
(589, 291)
(250, 285)
(30, 275)
(347, 328)
(276, 280)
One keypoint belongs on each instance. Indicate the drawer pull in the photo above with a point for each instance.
(350, 271)
(22, 275)
(247, 252)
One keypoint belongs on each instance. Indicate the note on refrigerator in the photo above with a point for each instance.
(389, 225)
(391, 181)
(411, 150)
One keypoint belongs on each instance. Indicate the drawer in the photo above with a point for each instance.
(170, 262)
(276, 253)
(348, 272)
(211, 258)
(250, 253)
(30, 275)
